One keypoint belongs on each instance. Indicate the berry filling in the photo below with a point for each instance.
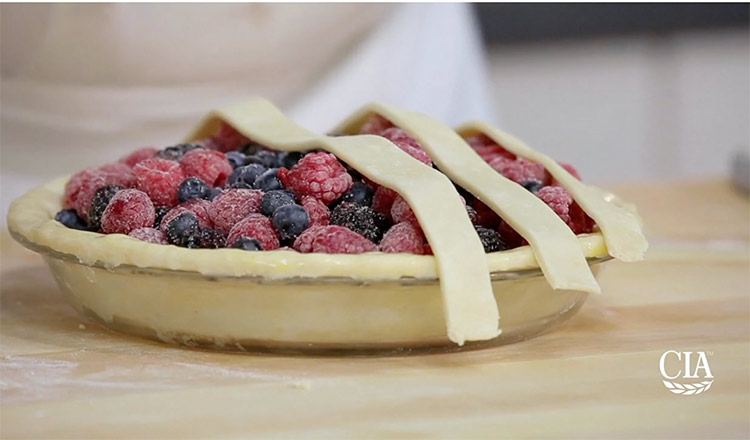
(229, 192)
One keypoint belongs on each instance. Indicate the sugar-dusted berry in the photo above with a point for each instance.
(519, 170)
(403, 237)
(406, 142)
(139, 155)
(273, 200)
(255, 226)
(149, 235)
(159, 178)
(360, 193)
(319, 213)
(127, 210)
(382, 200)
(233, 205)
(401, 212)
(192, 188)
(319, 175)
(184, 230)
(247, 244)
(491, 239)
(199, 207)
(70, 219)
(363, 220)
(375, 124)
(99, 203)
(290, 220)
(244, 176)
(210, 166)
(332, 239)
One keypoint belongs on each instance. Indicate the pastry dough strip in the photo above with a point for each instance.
(620, 224)
(469, 305)
(555, 246)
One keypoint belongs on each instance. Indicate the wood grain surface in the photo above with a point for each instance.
(597, 377)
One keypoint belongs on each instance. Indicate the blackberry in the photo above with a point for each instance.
(99, 203)
(211, 238)
(70, 219)
(290, 221)
(192, 188)
(533, 185)
(266, 158)
(273, 200)
(247, 244)
(361, 219)
(176, 152)
(360, 193)
(473, 215)
(236, 159)
(184, 230)
(491, 239)
(288, 159)
(244, 177)
(268, 181)
(160, 212)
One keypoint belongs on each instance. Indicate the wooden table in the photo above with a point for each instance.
(596, 377)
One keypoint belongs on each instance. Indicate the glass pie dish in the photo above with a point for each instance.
(279, 301)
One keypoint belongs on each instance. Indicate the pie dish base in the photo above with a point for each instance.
(311, 316)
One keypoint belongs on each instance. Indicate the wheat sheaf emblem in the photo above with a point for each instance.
(688, 389)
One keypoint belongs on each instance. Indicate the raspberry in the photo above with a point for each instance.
(406, 142)
(382, 200)
(139, 155)
(91, 182)
(127, 210)
(569, 168)
(317, 210)
(519, 170)
(320, 175)
(233, 205)
(332, 239)
(376, 124)
(255, 226)
(487, 149)
(401, 212)
(403, 237)
(75, 184)
(486, 216)
(491, 239)
(208, 165)
(160, 179)
(363, 220)
(119, 174)
(228, 139)
(509, 235)
(149, 235)
(199, 207)
(562, 203)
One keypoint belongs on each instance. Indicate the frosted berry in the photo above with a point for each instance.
(199, 207)
(210, 166)
(244, 177)
(533, 185)
(403, 237)
(491, 239)
(149, 235)
(406, 142)
(127, 210)
(139, 155)
(519, 170)
(236, 159)
(183, 230)
(255, 226)
(268, 181)
(233, 205)
(160, 211)
(99, 203)
(570, 169)
(273, 200)
(228, 139)
(267, 159)
(213, 193)
(159, 178)
(176, 152)
(247, 244)
(118, 173)
(487, 148)
(319, 175)
(211, 238)
(74, 185)
(401, 212)
(333, 239)
(376, 124)
(363, 220)
(288, 159)
(382, 200)
(70, 219)
(319, 213)
(290, 221)
(192, 188)
(360, 193)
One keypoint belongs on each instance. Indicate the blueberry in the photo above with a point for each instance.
(160, 211)
(288, 159)
(273, 200)
(360, 193)
(491, 239)
(99, 203)
(290, 221)
(268, 181)
(184, 230)
(176, 152)
(214, 192)
(192, 188)
(533, 185)
(236, 159)
(250, 149)
(244, 177)
(247, 244)
(266, 158)
(70, 219)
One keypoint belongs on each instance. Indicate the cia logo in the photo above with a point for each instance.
(681, 369)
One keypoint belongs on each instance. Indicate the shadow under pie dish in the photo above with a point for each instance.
(287, 300)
